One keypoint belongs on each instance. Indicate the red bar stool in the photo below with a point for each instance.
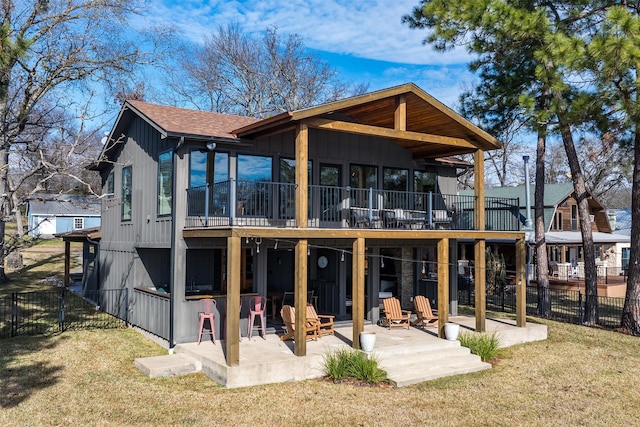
(205, 314)
(257, 307)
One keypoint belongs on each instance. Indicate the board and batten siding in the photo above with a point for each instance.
(145, 229)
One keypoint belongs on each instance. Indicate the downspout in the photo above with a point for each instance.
(172, 294)
(527, 196)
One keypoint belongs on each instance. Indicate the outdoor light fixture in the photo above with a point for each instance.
(342, 257)
(276, 245)
(211, 146)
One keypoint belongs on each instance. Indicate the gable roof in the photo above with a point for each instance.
(176, 122)
(429, 128)
(447, 132)
(554, 194)
(63, 205)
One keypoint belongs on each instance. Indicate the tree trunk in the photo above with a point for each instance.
(630, 323)
(4, 204)
(580, 189)
(542, 265)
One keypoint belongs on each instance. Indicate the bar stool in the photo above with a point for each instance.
(205, 314)
(257, 307)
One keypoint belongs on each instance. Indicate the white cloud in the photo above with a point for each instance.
(369, 29)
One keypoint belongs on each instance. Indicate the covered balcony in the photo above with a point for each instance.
(272, 204)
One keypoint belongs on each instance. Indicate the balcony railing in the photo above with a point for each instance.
(272, 204)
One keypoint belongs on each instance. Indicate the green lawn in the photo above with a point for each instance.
(579, 376)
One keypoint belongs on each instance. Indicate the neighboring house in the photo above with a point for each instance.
(347, 199)
(49, 214)
(563, 236)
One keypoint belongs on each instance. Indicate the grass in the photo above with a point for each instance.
(346, 363)
(578, 376)
(484, 345)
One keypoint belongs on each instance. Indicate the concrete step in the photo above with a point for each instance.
(167, 365)
(417, 373)
(414, 363)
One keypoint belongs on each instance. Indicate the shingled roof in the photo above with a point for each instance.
(174, 121)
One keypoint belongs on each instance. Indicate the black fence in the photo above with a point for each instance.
(46, 312)
(566, 305)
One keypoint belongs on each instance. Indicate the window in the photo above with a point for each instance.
(424, 182)
(574, 217)
(254, 168)
(78, 223)
(396, 184)
(165, 182)
(109, 185)
(209, 167)
(288, 192)
(126, 193)
(254, 188)
(557, 221)
(363, 176)
(395, 179)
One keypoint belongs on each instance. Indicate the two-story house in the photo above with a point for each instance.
(342, 201)
(564, 240)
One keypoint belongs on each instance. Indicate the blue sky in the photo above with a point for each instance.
(364, 40)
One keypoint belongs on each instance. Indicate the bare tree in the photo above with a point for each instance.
(51, 53)
(236, 73)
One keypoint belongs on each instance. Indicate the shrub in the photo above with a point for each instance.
(484, 345)
(346, 363)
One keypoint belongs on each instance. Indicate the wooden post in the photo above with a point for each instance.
(300, 284)
(478, 189)
(443, 285)
(67, 263)
(357, 291)
(521, 284)
(480, 260)
(302, 175)
(234, 248)
(480, 245)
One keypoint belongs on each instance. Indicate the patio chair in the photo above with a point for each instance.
(288, 314)
(424, 313)
(394, 314)
(207, 314)
(257, 308)
(403, 219)
(325, 321)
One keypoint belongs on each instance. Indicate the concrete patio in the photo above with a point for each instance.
(409, 356)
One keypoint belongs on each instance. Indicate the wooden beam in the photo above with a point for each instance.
(347, 233)
(443, 285)
(400, 116)
(480, 262)
(300, 297)
(234, 248)
(478, 190)
(357, 290)
(521, 284)
(302, 175)
(360, 129)
(67, 263)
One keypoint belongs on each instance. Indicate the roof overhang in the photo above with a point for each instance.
(405, 114)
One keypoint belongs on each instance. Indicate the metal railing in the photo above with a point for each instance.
(238, 203)
(566, 305)
(45, 312)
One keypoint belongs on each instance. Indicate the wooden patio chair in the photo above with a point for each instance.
(394, 314)
(288, 314)
(325, 321)
(424, 313)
